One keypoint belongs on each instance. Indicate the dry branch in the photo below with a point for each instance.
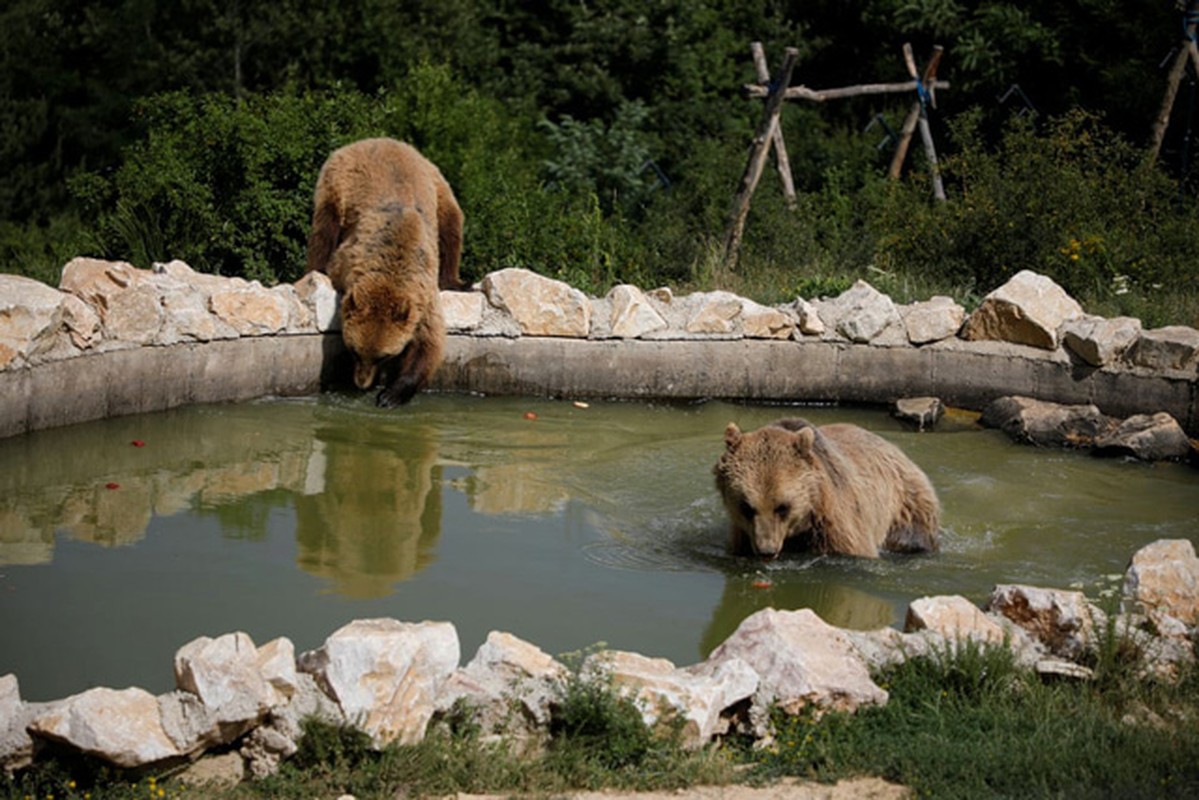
(753, 90)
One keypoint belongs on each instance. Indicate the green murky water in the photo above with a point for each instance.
(293, 517)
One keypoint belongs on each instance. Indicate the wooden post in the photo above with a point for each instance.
(918, 118)
(1188, 50)
(757, 157)
(781, 161)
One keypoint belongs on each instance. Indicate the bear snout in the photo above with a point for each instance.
(364, 374)
(768, 543)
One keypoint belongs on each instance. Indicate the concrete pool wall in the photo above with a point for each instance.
(115, 340)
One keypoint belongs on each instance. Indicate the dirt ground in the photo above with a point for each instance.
(857, 789)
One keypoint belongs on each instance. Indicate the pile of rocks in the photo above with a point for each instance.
(1027, 337)
(1148, 437)
(393, 680)
(110, 305)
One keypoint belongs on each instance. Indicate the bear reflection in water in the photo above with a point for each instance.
(378, 519)
(834, 489)
(834, 602)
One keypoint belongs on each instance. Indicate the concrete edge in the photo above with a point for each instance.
(964, 375)
(132, 381)
(136, 380)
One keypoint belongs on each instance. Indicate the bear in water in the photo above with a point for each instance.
(833, 489)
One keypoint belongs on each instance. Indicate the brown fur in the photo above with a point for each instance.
(387, 230)
(836, 489)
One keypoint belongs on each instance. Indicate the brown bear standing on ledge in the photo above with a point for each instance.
(834, 489)
(387, 230)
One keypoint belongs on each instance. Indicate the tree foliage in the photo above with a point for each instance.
(594, 141)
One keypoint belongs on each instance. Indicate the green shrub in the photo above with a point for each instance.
(593, 724)
(1071, 201)
(969, 723)
(39, 251)
(221, 183)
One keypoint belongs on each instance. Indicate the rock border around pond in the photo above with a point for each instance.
(116, 340)
(393, 680)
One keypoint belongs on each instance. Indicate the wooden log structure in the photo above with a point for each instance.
(781, 160)
(769, 133)
(918, 118)
(758, 152)
(755, 90)
(1187, 51)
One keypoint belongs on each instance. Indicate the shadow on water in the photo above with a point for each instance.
(564, 525)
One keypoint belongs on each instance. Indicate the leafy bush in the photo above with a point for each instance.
(39, 250)
(226, 184)
(594, 724)
(223, 184)
(967, 722)
(1072, 202)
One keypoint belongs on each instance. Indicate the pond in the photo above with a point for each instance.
(564, 524)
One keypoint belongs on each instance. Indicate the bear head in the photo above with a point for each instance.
(378, 320)
(770, 482)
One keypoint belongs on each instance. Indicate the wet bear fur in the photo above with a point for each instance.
(832, 489)
(387, 230)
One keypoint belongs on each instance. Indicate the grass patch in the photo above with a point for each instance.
(973, 725)
(967, 723)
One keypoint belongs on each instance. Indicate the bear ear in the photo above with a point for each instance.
(732, 436)
(804, 439)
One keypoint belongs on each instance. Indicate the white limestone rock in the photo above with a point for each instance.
(1099, 341)
(1063, 621)
(698, 696)
(316, 291)
(128, 304)
(932, 320)
(541, 306)
(953, 617)
(810, 323)
(122, 727)
(386, 674)
(763, 322)
(862, 314)
(81, 322)
(299, 317)
(1028, 309)
(1175, 347)
(1163, 580)
(463, 311)
(31, 316)
(250, 309)
(713, 313)
(16, 746)
(235, 682)
(801, 661)
(632, 314)
(510, 687)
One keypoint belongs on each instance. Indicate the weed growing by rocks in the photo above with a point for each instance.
(971, 723)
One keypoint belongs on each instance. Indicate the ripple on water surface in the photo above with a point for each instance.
(564, 525)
